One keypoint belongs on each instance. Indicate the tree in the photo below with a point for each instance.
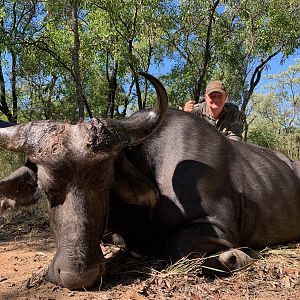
(130, 45)
(75, 57)
(275, 116)
(285, 87)
(264, 29)
(85, 51)
(16, 24)
(189, 36)
(70, 22)
(232, 40)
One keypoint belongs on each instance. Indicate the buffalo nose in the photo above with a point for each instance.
(74, 281)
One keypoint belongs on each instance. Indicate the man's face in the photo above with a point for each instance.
(215, 100)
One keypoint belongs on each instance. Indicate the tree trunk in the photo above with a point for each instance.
(14, 86)
(150, 53)
(75, 57)
(207, 55)
(138, 89)
(247, 94)
(3, 107)
(112, 87)
(135, 75)
(137, 84)
(126, 101)
(50, 90)
(256, 76)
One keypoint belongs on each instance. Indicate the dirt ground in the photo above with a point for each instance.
(26, 248)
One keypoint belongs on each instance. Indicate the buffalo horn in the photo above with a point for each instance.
(143, 123)
(13, 136)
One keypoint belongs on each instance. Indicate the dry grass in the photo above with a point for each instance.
(274, 275)
(184, 266)
(17, 222)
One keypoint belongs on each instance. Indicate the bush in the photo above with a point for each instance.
(10, 161)
(286, 141)
(263, 136)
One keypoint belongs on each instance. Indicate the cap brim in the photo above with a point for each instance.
(215, 90)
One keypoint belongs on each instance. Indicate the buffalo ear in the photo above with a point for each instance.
(131, 186)
(19, 188)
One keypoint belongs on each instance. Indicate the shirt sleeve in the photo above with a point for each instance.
(235, 126)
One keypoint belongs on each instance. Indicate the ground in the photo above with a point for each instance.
(26, 248)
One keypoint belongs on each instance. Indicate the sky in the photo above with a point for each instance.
(277, 67)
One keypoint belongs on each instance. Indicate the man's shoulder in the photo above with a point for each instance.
(231, 109)
(231, 106)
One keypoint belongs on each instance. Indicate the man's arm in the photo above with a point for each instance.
(189, 106)
(235, 126)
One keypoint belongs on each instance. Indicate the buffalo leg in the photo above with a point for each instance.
(208, 242)
(225, 262)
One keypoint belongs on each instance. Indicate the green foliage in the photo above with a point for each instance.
(286, 141)
(275, 116)
(121, 38)
(9, 162)
(264, 135)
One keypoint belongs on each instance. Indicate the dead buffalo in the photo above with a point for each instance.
(161, 185)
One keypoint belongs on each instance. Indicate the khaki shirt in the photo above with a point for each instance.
(229, 122)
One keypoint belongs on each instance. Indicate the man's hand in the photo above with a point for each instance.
(189, 106)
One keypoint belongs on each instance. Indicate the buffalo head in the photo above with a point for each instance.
(75, 169)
